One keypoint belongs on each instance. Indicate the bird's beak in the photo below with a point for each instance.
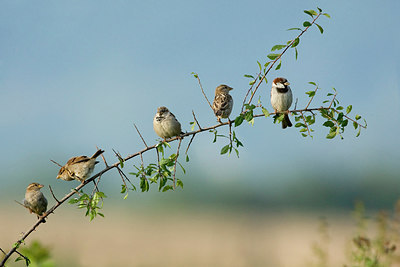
(58, 177)
(286, 83)
(40, 186)
(230, 88)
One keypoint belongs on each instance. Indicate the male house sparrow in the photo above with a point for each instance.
(281, 99)
(79, 168)
(223, 102)
(165, 124)
(34, 200)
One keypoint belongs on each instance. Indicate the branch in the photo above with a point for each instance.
(52, 193)
(140, 135)
(201, 87)
(176, 160)
(273, 63)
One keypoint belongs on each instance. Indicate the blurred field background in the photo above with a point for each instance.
(76, 75)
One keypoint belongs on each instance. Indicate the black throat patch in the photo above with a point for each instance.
(282, 90)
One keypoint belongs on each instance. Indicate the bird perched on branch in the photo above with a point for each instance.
(223, 102)
(281, 99)
(79, 168)
(165, 124)
(34, 200)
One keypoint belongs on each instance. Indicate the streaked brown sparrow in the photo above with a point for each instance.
(79, 168)
(165, 124)
(34, 200)
(281, 99)
(223, 102)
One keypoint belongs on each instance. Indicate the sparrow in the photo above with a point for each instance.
(34, 200)
(165, 124)
(281, 99)
(79, 168)
(223, 102)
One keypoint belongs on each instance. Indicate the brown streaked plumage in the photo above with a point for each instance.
(34, 200)
(79, 168)
(223, 102)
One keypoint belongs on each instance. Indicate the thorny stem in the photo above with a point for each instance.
(52, 193)
(347, 117)
(309, 102)
(305, 122)
(141, 137)
(201, 87)
(190, 142)
(248, 91)
(176, 160)
(194, 117)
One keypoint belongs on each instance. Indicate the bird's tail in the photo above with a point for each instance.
(286, 122)
(98, 153)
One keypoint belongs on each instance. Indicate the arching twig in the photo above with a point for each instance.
(144, 142)
(52, 193)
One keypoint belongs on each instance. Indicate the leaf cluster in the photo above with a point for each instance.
(159, 173)
(93, 203)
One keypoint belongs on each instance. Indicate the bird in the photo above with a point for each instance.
(165, 124)
(79, 168)
(281, 99)
(34, 200)
(223, 102)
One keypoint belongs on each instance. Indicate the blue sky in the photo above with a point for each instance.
(76, 74)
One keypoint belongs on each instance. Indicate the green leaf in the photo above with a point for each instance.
(273, 56)
(291, 29)
(277, 47)
(299, 124)
(320, 28)
(121, 162)
(279, 65)
(252, 82)
(239, 119)
(320, 10)
(348, 109)
(167, 187)
(359, 131)
(265, 111)
(187, 158)
(340, 108)
(280, 117)
(358, 117)
(313, 83)
(179, 183)
(248, 76)
(306, 24)
(331, 135)
(344, 123)
(225, 149)
(259, 65)
(355, 124)
(194, 74)
(73, 201)
(310, 93)
(326, 15)
(18, 259)
(296, 53)
(308, 12)
(296, 42)
(248, 116)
